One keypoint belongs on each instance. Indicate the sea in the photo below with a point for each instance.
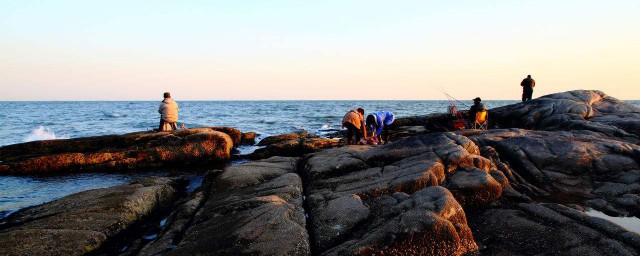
(24, 121)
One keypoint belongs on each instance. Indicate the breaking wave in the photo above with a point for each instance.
(113, 115)
(42, 133)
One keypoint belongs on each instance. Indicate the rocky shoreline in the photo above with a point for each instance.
(431, 191)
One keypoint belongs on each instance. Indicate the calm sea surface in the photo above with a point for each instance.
(28, 121)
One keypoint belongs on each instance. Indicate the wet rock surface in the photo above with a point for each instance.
(83, 222)
(120, 152)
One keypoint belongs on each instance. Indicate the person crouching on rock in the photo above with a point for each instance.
(168, 113)
(379, 122)
(354, 122)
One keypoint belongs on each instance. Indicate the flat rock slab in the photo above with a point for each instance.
(251, 209)
(119, 152)
(81, 223)
(573, 110)
(537, 229)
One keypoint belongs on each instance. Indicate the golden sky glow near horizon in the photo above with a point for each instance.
(334, 50)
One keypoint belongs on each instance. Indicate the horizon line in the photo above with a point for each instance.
(267, 100)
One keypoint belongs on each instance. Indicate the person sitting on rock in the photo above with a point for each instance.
(354, 122)
(168, 113)
(527, 88)
(379, 122)
(477, 106)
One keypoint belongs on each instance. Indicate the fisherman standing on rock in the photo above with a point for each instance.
(527, 88)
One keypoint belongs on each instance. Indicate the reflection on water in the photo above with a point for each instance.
(20, 192)
(630, 223)
(17, 192)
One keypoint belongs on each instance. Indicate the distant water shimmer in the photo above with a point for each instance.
(29, 121)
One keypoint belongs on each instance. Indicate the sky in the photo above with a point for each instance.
(315, 50)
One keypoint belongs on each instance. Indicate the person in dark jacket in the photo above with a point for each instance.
(477, 106)
(527, 88)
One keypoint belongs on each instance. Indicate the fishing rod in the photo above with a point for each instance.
(451, 97)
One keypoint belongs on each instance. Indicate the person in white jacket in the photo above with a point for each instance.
(168, 113)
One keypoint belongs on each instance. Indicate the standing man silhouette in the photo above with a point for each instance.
(527, 88)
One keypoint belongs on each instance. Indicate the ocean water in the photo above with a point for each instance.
(28, 121)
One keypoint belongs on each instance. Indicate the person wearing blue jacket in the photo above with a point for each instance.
(379, 122)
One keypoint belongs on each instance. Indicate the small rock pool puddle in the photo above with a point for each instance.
(629, 223)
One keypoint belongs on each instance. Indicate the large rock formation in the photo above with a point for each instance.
(362, 199)
(120, 152)
(585, 164)
(83, 222)
(574, 110)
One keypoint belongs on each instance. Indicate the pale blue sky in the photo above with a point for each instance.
(215, 50)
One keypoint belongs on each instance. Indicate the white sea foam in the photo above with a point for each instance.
(325, 127)
(114, 115)
(42, 133)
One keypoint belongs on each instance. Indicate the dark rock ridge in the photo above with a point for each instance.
(438, 122)
(573, 110)
(120, 152)
(83, 222)
(293, 144)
